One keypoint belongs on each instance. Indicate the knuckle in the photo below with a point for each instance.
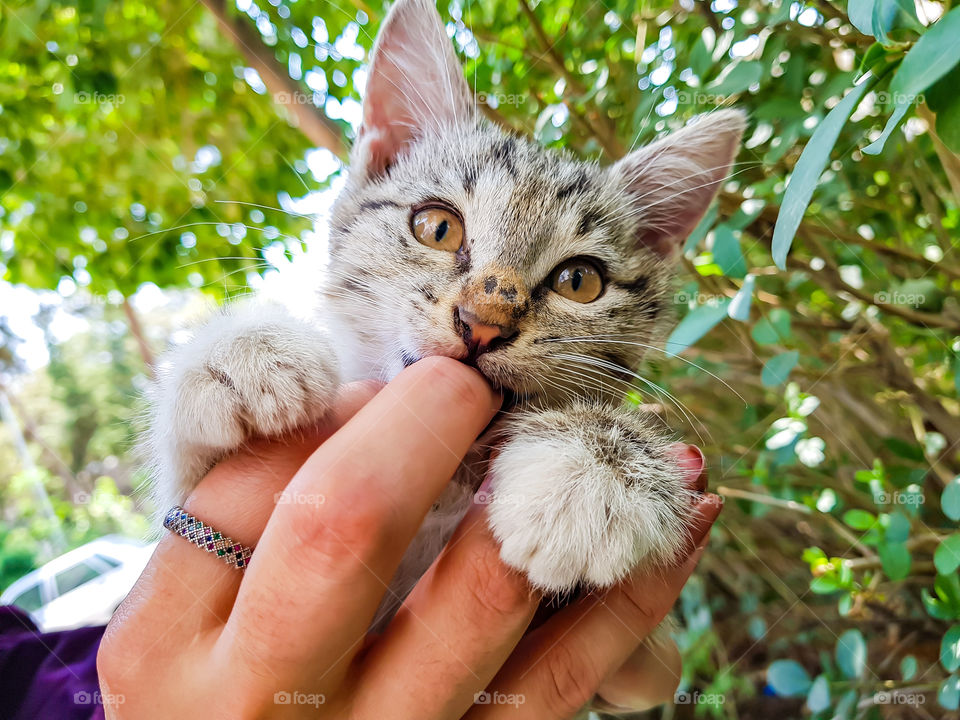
(463, 385)
(496, 593)
(570, 683)
(639, 606)
(342, 530)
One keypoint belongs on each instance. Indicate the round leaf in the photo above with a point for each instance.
(949, 694)
(859, 519)
(950, 649)
(908, 668)
(950, 500)
(788, 678)
(946, 558)
(895, 558)
(777, 369)
(851, 654)
(818, 698)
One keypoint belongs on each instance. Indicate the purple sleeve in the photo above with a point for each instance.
(47, 675)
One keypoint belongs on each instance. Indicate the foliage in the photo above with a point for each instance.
(817, 351)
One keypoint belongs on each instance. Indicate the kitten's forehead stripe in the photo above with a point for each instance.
(371, 205)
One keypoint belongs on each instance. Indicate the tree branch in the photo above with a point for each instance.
(312, 122)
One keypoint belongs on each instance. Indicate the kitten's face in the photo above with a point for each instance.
(522, 212)
(452, 238)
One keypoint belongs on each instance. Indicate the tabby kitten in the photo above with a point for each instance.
(547, 274)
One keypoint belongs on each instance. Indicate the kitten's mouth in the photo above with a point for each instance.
(511, 397)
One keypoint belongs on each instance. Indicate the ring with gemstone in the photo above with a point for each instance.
(187, 526)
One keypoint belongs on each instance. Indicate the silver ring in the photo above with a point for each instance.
(187, 526)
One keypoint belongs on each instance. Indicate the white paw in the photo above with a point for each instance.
(585, 495)
(256, 372)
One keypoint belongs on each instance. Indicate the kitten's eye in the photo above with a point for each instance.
(578, 280)
(438, 228)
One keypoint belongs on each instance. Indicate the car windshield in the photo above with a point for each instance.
(74, 577)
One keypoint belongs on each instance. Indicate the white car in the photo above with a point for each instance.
(81, 587)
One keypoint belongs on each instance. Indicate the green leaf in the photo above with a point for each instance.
(950, 499)
(859, 519)
(878, 17)
(824, 585)
(898, 528)
(740, 77)
(777, 369)
(727, 253)
(860, 13)
(908, 668)
(946, 558)
(788, 678)
(875, 55)
(949, 693)
(895, 559)
(851, 654)
(876, 147)
(950, 649)
(806, 174)
(818, 698)
(933, 56)
(739, 308)
(904, 449)
(944, 100)
(695, 325)
(774, 328)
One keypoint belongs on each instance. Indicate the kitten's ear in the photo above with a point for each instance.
(415, 85)
(673, 180)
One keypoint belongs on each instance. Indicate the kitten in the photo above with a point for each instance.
(547, 274)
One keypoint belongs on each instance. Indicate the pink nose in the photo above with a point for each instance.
(476, 332)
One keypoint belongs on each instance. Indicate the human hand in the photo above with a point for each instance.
(287, 638)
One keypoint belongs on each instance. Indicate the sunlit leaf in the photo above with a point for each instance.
(806, 174)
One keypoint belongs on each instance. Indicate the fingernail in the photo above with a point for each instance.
(692, 463)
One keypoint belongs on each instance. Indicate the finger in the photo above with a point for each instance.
(195, 589)
(558, 668)
(320, 571)
(647, 679)
(462, 621)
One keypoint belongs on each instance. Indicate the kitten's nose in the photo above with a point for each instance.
(476, 333)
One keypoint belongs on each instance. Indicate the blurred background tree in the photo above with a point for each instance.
(189, 147)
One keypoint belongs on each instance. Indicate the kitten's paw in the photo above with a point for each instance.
(256, 372)
(585, 495)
